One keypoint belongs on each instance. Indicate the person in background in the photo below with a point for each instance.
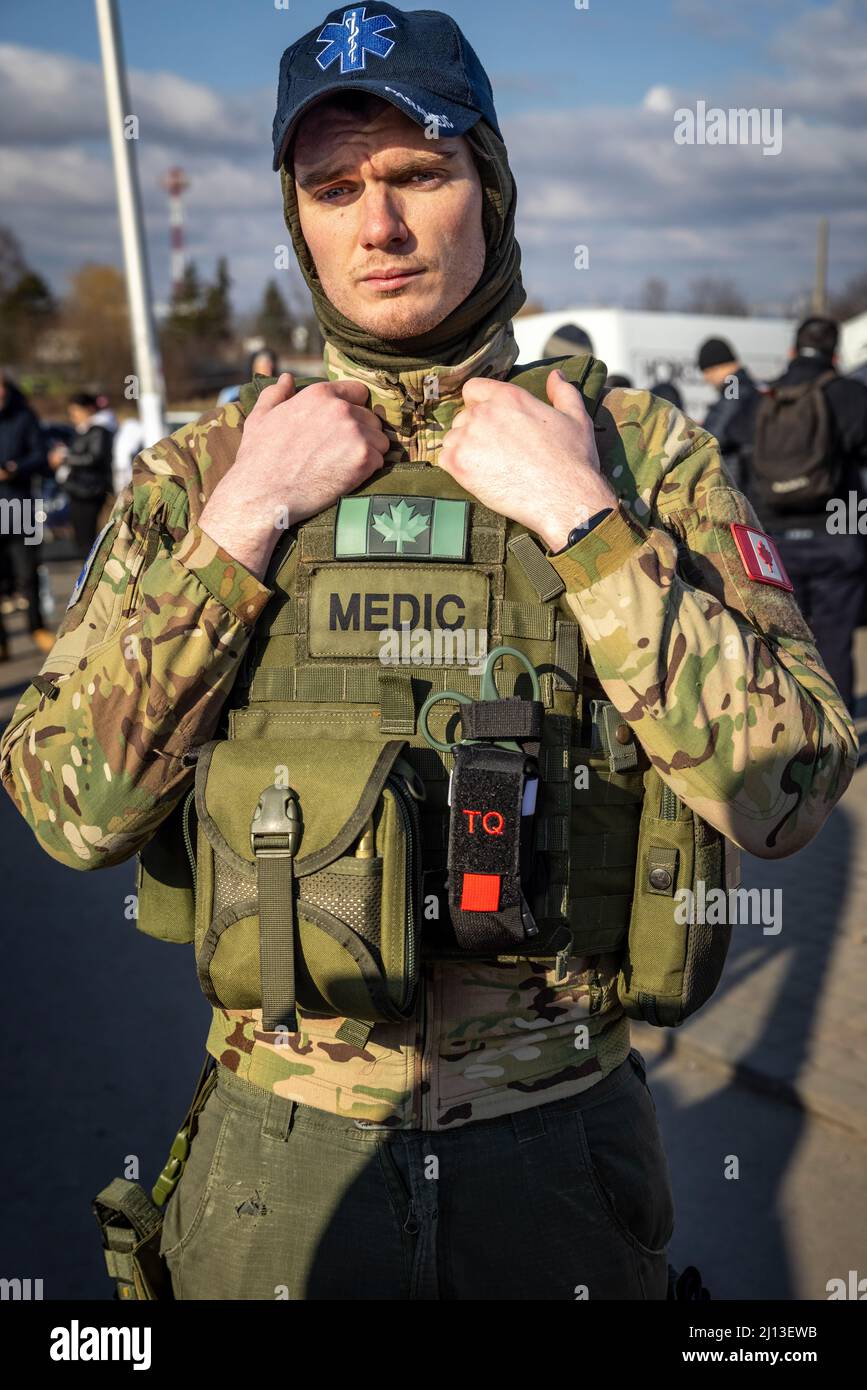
(128, 442)
(668, 392)
(810, 448)
(263, 362)
(568, 341)
(84, 468)
(105, 416)
(732, 416)
(22, 457)
(617, 379)
(860, 374)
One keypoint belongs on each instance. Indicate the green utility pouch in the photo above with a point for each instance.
(166, 878)
(131, 1221)
(130, 1224)
(309, 878)
(673, 959)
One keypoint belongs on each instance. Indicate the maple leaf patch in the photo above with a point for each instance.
(402, 525)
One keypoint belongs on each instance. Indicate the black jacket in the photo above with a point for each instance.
(21, 442)
(847, 409)
(731, 421)
(89, 462)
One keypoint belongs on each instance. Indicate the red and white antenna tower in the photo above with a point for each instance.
(176, 183)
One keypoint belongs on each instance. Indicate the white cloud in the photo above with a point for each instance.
(49, 97)
(658, 99)
(610, 177)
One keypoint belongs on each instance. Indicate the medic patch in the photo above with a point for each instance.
(87, 567)
(760, 556)
(352, 610)
(385, 526)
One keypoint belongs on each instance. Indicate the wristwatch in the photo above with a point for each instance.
(579, 532)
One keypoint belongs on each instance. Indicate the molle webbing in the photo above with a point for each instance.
(392, 688)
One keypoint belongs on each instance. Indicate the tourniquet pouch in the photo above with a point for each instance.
(309, 877)
(492, 803)
(165, 878)
(675, 950)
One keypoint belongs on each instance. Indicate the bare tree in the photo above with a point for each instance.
(654, 295)
(711, 296)
(852, 299)
(96, 316)
(13, 266)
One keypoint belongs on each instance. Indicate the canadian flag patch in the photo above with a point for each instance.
(760, 556)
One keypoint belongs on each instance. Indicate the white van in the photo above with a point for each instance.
(655, 347)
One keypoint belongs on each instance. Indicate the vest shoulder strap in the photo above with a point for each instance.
(250, 393)
(585, 372)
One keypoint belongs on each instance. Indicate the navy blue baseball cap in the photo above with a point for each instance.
(416, 59)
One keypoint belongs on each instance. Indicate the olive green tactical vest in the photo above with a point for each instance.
(393, 593)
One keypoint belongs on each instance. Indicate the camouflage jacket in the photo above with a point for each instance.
(717, 674)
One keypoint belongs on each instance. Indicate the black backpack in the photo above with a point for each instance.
(794, 463)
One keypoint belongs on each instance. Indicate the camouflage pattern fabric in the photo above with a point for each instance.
(717, 674)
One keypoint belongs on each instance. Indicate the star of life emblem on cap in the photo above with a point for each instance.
(353, 39)
(760, 556)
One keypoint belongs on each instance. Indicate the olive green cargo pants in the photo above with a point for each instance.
(570, 1200)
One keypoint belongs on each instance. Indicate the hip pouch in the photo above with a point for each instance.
(130, 1225)
(676, 949)
(308, 885)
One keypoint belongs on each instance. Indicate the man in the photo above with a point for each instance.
(810, 446)
(730, 418)
(22, 458)
(502, 1142)
(84, 469)
(262, 362)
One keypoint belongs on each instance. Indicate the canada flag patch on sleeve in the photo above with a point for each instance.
(760, 556)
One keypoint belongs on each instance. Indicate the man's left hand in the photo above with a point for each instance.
(534, 463)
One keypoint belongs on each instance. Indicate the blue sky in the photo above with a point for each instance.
(620, 46)
(585, 98)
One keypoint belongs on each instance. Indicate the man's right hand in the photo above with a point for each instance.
(298, 454)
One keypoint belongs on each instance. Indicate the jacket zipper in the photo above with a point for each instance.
(148, 552)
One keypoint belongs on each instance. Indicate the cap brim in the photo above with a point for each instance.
(454, 120)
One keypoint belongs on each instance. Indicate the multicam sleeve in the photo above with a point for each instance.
(140, 669)
(717, 673)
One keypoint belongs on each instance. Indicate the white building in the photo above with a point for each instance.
(651, 347)
(853, 343)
